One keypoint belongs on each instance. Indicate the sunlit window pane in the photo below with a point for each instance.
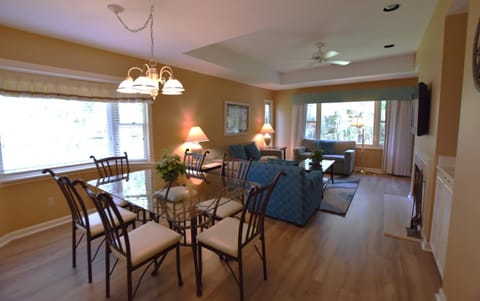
(337, 118)
(40, 132)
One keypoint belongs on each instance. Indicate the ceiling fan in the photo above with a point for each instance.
(320, 56)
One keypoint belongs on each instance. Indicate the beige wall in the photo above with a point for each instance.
(463, 251)
(25, 203)
(440, 61)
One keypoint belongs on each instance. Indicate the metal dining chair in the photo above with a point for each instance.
(113, 166)
(89, 224)
(230, 236)
(194, 162)
(147, 245)
(231, 168)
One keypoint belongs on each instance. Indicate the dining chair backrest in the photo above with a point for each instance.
(116, 232)
(194, 162)
(112, 166)
(74, 200)
(253, 213)
(235, 167)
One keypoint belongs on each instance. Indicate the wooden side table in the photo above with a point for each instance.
(282, 149)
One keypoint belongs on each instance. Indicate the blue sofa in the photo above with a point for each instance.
(343, 152)
(297, 195)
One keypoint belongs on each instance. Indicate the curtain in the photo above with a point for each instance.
(13, 83)
(298, 125)
(398, 148)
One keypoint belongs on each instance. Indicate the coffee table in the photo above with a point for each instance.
(325, 166)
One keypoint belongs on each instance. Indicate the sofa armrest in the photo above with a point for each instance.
(314, 178)
(271, 152)
(300, 149)
(349, 160)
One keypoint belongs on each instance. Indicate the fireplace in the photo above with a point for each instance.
(417, 198)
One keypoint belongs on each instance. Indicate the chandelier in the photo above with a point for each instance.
(150, 77)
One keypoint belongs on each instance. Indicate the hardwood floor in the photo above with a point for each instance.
(331, 258)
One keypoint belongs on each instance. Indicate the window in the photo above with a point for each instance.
(268, 109)
(336, 118)
(44, 132)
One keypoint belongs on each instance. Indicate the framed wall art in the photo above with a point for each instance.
(237, 118)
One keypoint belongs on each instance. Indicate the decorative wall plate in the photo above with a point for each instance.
(476, 58)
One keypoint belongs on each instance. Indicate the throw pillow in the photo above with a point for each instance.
(328, 146)
(252, 151)
(237, 151)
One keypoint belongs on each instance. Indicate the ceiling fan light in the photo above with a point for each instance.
(172, 87)
(341, 63)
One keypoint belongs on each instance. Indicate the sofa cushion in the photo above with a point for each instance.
(310, 144)
(237, 151)
(342, 146)
(252, 151)
(328, 146)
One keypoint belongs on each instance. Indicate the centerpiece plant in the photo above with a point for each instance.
(316, 157)
(170, 167)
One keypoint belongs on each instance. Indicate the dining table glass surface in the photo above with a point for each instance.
(146, 189)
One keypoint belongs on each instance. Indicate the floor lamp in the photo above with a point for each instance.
(358, 123)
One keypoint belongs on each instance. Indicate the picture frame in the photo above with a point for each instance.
(237, 118)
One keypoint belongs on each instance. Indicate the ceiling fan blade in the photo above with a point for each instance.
(330, 54)
(340, 63)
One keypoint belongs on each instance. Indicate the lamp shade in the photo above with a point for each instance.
(196, 135)
(357, 122)
(172, 87)
(267, 129)
(144, 85)
(126, 86)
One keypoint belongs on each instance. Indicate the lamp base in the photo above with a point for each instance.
(267, 141)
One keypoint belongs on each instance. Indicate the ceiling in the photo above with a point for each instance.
(265, 43)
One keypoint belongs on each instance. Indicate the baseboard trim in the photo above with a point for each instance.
(426, 246)
(4, 240)
(440, 296)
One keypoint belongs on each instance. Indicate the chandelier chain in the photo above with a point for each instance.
(149, 20)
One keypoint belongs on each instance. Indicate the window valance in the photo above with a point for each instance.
(391, 93)
(14, 83)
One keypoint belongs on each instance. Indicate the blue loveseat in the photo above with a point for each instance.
(297, 195)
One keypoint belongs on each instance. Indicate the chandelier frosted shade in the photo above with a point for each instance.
(172, 87)
(144, 85)
(126, 86)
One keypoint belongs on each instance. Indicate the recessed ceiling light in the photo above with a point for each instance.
(389, 46)
(391, 7)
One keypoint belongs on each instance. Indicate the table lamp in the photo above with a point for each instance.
(195, 136)
(266, 131)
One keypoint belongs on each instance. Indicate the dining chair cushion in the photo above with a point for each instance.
(223, 236)
(227, 207)
(96, 226)
(176, 193)
(149, 239)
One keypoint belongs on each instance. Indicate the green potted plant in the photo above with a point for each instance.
(170, 167)
(316, 157)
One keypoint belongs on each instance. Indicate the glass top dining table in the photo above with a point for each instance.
(180, 208)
